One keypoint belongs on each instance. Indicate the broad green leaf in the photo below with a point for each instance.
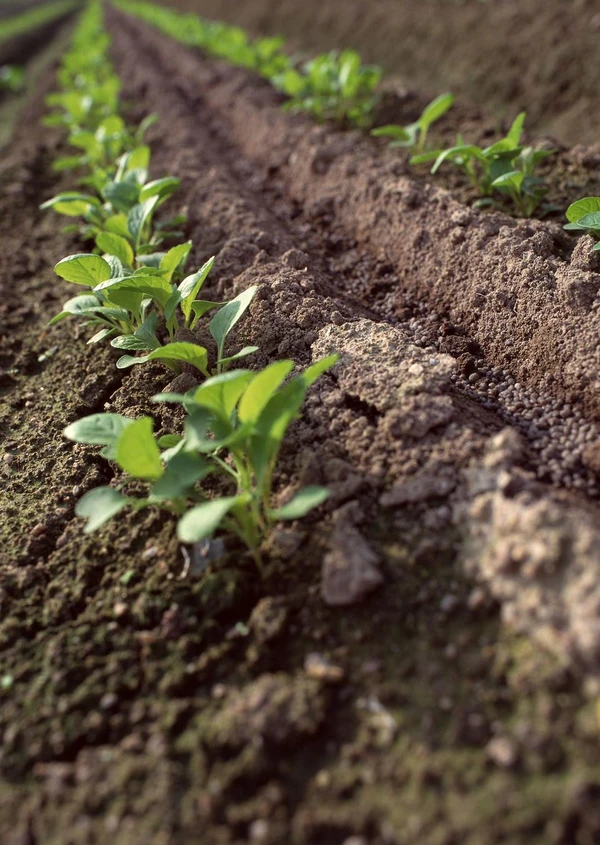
(117, 224)
(83, 269)
(303, 502)
(261, 388)
(145, 284)
(137, 452)
(221, 393)
(159, 189)
(226, 318)
(203, 520)
(121, 195)
(116, 245)
(185, 353)
(77, 305)
(180, 475)
(168, 441)
(584, 206)
(131, 343)
(98, 429)
(137, 159)
(99, 506)
(71, 203)
(175, 258)
(590, 221)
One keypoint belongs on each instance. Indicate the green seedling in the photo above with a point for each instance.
(126, 307)
(234, 430)
(504, 167)
(414, 136)
(12, 78)
(333, 86)
(584, 217)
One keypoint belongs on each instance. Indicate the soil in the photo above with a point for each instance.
(503, 55)
(422, 661)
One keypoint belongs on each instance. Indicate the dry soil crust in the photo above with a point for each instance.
(148, 708)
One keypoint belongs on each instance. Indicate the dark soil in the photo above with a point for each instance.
(19, 50)
(503, 55)
(144, 703)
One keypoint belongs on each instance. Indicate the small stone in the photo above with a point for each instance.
(259, 830)
(108, 701)
(317, 666)
(120, 609)
(503, 751)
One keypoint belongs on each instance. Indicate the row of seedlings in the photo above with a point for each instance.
(337, 86)
(136, 295)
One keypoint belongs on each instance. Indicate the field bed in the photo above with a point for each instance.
(456, 703)
(483, 52)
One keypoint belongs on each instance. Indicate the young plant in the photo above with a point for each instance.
(333, 86)
(12, 78)
(126, 305)
(414, 136)
(234, 430)
(584, 217)
(504, 167)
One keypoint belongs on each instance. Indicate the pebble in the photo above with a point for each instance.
(503, 751)
(318, 667)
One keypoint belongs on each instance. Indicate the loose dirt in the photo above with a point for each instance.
(421, 663)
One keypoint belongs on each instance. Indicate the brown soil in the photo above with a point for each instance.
(454, 704)
(503, 55)
(19, 50)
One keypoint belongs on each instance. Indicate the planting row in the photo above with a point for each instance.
(219, 473)
(36, 17)
(337, 86)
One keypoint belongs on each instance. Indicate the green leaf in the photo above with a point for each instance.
(243, 353)
(71, 203)
(181, 474)
(201, 307)
(391, 131)
(101, 335)
(97, 429)
(203, 520)
(138, 216)
(516, 130)
(191, 285)
(121, 195)
(131, 343)
(261, 389)
(584, 206)
(221, 393)
(137, 452)
(99, 506)
(590, 221)
(116, 245)
(159, 189)
(303, 502)
(435, 110)
(224, 321)
(83, 269)
(174, 259)
(117, 224)
(188, 353)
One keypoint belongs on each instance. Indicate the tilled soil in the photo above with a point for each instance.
(503, 55)
(421, 664)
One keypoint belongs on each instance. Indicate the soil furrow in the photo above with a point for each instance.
(151, 702)
(562, 440)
